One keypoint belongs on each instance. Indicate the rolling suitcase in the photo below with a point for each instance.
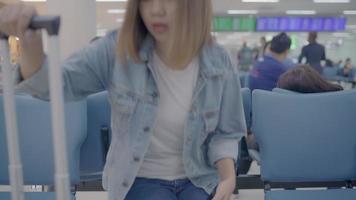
(62, 185)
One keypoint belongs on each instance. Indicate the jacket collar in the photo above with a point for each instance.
(208, 61)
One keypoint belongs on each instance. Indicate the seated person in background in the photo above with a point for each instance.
(288, 63)
(265, 73)
(339, 64)
(329, 63)
(347, 68)
(305, 79)
(302, 79)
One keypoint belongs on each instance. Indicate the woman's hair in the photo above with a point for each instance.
(305, 79)
(191, 31)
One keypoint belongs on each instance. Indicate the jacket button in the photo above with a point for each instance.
(136, 158)
(154, 95)
(189, 140)
(146, 129)
(125, 184)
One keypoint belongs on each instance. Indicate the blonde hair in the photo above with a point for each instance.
(191, 32)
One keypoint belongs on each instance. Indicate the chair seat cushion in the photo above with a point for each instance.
(32, 196)
(332, 194)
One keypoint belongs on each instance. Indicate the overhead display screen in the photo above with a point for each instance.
(300, 24)
(234, 24)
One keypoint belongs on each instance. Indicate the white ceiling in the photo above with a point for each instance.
(108, 21)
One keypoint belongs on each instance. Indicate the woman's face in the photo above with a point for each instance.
(159, 17)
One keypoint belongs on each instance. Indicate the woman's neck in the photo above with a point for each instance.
(162, 51)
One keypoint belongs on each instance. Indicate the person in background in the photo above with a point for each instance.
(265, 74)
(288, 63)
(177, 114)
(301, 79)
(259, 52)
(305, 79)
(266, 49)
(263, 42)
(339, 64)
(346, 70)
(245, 58)
(313, 52)
(329, 63)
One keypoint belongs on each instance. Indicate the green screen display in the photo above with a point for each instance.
(234, 24)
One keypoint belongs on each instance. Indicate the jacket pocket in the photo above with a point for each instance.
(123, 109)
(211, 119)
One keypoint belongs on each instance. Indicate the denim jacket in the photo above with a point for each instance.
(215, 121)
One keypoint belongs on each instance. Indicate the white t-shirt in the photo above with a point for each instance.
(164, 159)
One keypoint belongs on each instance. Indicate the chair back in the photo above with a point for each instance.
(35, 139)
(305, 137)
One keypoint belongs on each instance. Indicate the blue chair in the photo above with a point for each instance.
(341, 78)
(246, 100)
(244, 79)
(306, 138)
(95, 147)
(331, 73)
(244, 161)
(36, 146)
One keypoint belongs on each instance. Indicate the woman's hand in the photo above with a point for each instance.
(225, 189)
(14, 21)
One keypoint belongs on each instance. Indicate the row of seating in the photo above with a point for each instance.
(88, 136)
(304, 139)
(301, 136)
(330, 73)
(335, 74)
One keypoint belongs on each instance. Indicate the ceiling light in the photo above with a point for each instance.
(242, 12)
(300, 12)
(111, 0)
(331, 1)
(33, 0)
(116, 11)
(260, 1)
(349, 12)
(96, 0)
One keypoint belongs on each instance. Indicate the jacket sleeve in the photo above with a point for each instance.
(231, 126)
(87, 71)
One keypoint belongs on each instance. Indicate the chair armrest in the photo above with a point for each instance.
(255, 155)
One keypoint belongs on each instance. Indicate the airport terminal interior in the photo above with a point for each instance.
(252, 33)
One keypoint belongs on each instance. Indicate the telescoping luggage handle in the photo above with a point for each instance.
(50, 23)
(62, 186)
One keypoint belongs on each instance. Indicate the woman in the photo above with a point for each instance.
(176, 103)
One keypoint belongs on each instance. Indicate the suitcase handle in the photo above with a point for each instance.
(50, 23)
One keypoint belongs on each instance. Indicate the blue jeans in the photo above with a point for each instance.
(155, 189)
